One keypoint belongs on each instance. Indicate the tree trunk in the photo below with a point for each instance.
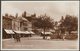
(44, 33)
(69, 31)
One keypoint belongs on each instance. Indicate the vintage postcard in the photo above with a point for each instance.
(40, 25)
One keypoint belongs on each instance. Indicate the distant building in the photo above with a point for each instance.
(31, 19)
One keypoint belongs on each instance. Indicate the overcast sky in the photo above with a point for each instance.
(55, 9)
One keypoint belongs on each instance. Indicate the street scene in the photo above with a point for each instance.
(40, 25)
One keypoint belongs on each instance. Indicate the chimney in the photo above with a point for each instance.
(16, 15)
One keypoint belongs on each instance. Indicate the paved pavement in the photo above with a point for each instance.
(37, 42)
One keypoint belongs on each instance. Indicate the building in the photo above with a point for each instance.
(7, 22)
(16, 24)
(7, 25)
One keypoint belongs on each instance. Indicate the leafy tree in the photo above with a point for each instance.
(70, 23)
(44, 22)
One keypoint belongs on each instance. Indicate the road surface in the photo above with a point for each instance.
(36, 42)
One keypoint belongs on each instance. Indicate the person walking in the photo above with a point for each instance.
(15, 37)
(18, 37)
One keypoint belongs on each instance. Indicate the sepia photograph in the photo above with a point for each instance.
(40, 25)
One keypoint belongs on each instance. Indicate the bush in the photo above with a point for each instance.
(55, 36)
(68, 36)
(71, 36)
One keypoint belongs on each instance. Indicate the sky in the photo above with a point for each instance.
(54, 9)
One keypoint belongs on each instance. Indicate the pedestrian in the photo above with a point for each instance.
(15, 37)
(64, 36)
(18, 37)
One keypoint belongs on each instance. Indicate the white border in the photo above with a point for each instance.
(1, 27)
(38, 49)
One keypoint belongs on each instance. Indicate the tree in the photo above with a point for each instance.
(6, 14)
(70, 23)
(44, 22)
(61, 26)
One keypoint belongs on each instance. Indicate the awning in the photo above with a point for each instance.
(9, 31)
(52, 30)
(27, 32)
(31, 32)
(24, 32)
(74, 31)
(47, 32)
(19, 32)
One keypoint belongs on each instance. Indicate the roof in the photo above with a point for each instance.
(30, 18)
(24, 19)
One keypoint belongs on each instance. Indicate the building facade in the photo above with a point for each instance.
(15, 23)
(6, 25)
(7, 22)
